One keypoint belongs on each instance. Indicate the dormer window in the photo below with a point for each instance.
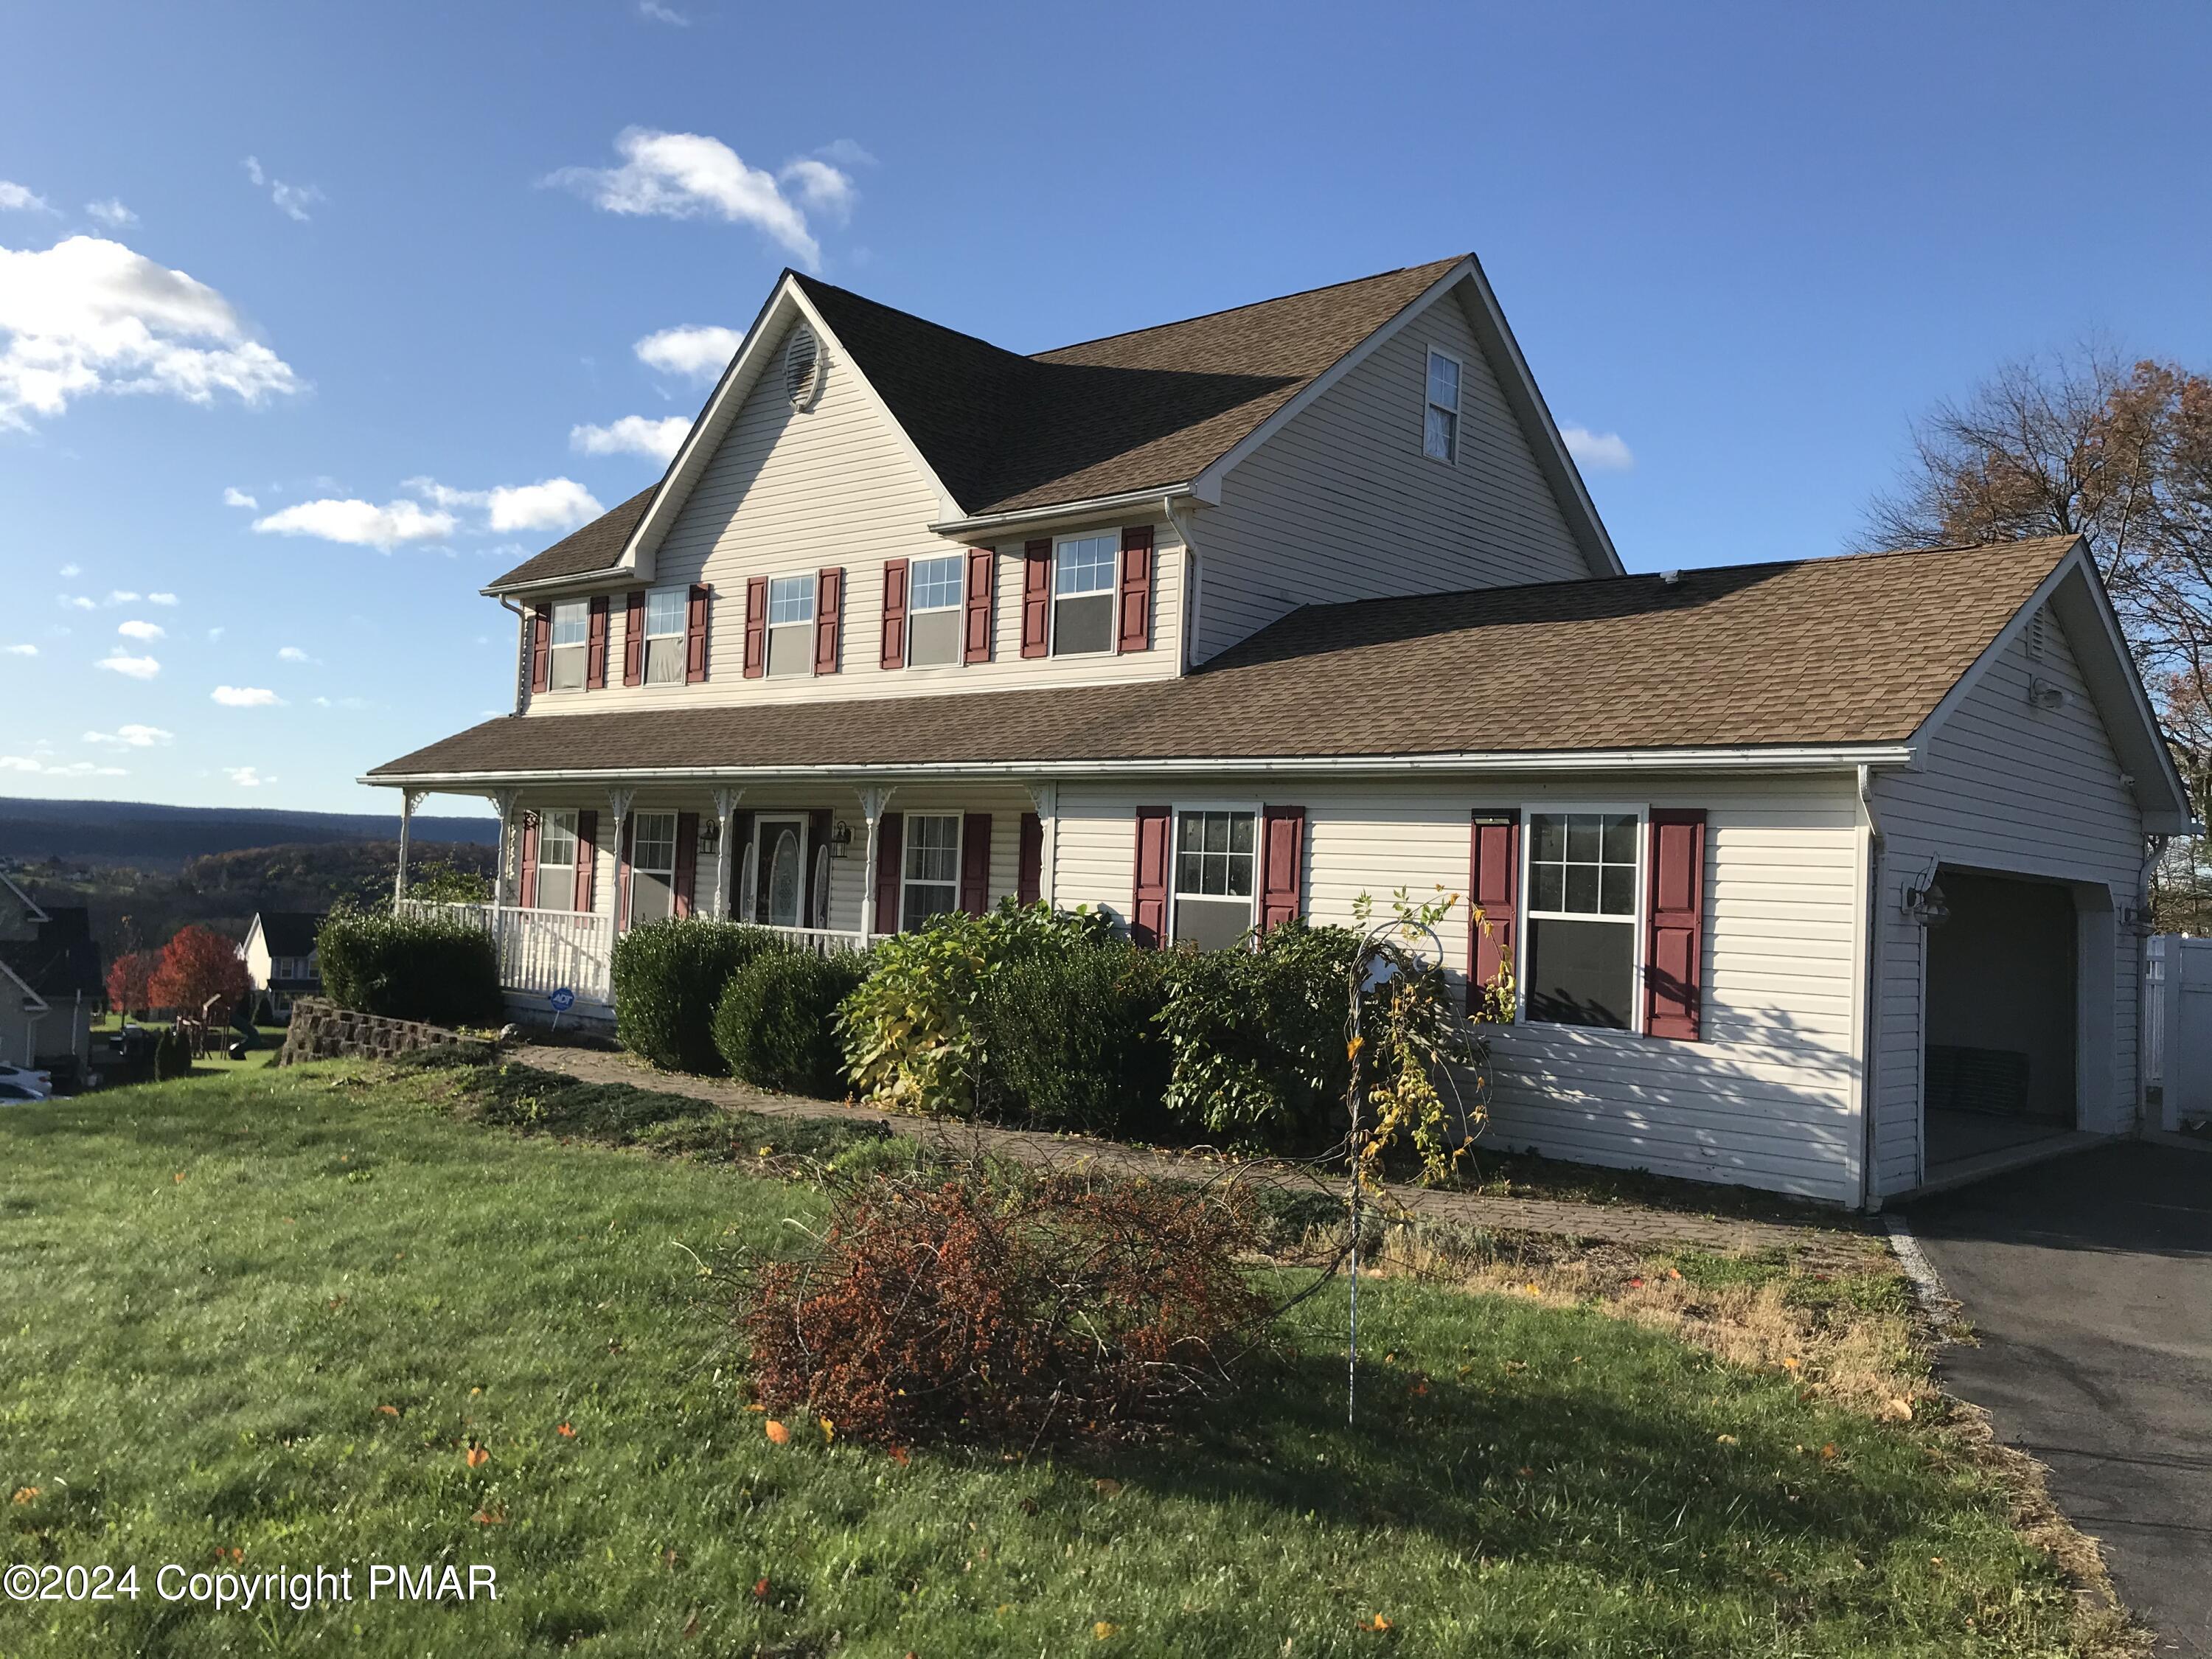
(932, 628)
(572, 629)
(790, 625)
(1440, 435)
(1083, 594)
(664, 623)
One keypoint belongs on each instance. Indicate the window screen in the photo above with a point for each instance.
(572, 629)
(932, 629)
(1083, 595)
(1213, 879)
(1581, 918)
(790, 625)
(557, 861)
(666, 621)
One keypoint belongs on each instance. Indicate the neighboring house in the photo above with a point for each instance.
(281, 959)
(1238, 618)
(49, 984)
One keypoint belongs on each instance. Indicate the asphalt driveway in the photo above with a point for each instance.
(2089, 1282)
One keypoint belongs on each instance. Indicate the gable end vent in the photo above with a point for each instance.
(802, 368)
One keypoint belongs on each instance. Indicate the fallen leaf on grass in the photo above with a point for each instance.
(1828, 1451)
(389, 1411)
(489, 1518)
(564, 1431)
(691, 1625)
(1106, 1485)
(899, 1456)
(476, 1456)
(1724, 1440)
(829, 1431)
(1899, 1408)
(1102, 1630)
(777, 1433)
(25, 1494)
(1377, 1624)
(760, 1589)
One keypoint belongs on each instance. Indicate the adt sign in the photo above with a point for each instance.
(562, 999)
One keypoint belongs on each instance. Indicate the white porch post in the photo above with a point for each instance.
(504, 799)
(873, 803)
(619, 802)
(725, 808)
(409, 800)
(1046, 798)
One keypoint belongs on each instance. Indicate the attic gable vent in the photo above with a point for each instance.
(802, 368)
(2039, 632)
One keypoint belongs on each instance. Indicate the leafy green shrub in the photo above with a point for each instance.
(907, 1031)
(1258, 1036)
(668, 977)
(776, 1023)
(173, 1057)
(1068, 1040)
(444, 970)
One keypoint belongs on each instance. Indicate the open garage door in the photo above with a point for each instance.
(1999, 1066)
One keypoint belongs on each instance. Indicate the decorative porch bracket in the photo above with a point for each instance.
(1044, 795)
(504, 799)
(409, 800)
(619, 802)
(872, 804)
(726, 810)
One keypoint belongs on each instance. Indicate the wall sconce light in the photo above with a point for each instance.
(2042, 694)
(841, 839)
(1926, 905)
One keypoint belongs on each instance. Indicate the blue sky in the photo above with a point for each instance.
(1748, 243)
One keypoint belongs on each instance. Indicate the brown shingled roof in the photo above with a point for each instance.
(1814, 652)
(1133, 411)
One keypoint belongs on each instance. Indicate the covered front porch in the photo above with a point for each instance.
(831, 865)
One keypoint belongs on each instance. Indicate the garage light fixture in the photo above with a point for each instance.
(1925, 901)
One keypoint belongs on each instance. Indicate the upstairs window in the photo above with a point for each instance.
(572, 631)
(932, 626)
(1582, 919)
(790, 625)
(1440, 435)
(1083, 594)
(665, 622)
(557, 861)
(1213, 879)
(652, 867)
(933, 867)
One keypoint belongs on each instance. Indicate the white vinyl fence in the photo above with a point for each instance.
(2177, 1027)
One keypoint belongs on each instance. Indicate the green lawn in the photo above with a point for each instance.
(211, 1293)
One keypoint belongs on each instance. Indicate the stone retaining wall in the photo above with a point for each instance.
(320, 1030)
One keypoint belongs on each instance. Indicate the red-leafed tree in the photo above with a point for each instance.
(197, 966)
(128, 977)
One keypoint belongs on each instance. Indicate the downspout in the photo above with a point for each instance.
(2143, 924)
(1189, 584)
(1870, 1023)
(521, 649)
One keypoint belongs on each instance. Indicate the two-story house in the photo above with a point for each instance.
(1823, 875)
(281, 962)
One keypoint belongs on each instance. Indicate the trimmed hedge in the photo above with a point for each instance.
(669, 978)
(441, 971)
(1069, 1039)
(776, 1024)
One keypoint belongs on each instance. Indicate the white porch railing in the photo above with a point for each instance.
(540, 952)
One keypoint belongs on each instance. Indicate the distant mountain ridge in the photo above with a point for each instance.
(152, 835)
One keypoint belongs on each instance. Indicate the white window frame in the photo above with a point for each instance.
(680, 634)
(1112, 591)
(1525, 933)
(813, 580)
(959, 603)
(575, 850)
(959, 855)
(675, 853)
(1428, 402)
(582, 647)
(1175, 857)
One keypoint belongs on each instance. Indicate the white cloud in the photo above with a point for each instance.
(130, 737)
(1600, 452)
(687, 175)
(632, 434)
(822, 188)
(73, 769)
(19, 650)
(660, 13)
(111, 213)
(847, 152)
(359, 524)
(138, 668)
(247, 696)
(21, 198)
(89, 315)
(234, 497)
(214, 633)
(72, 570)
(698, 353)
(292, 654)
(122, 596)
(245, 777)
(348, 702)
(160, 599)
(74, 602)
(292, 200)
(549, 504)
(142, 630)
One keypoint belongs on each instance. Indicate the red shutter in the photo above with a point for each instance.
(890, 842)
(1029, 860)
(756, 627)
(587, 860)
(634, 640)
(695, 632)
(818, 837)
(687, 864)
(622, 853)
(1493, 888)
(829, 606)
(1135, 632)
(530, 860)
(894, 651)
(1674, 942)
(1036, 598)
(595, 648)
(1148, 916)
(982, 577)
(1282, 863)
(975, 863)
(541, 649)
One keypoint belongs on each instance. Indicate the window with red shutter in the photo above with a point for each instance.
(587, 859)
(1674, 931)
(829, 613)
(1493, 886)
(1579, 946)
(975, 863)
(1135, 632)
(756, 627)
(1148, 913)
(893, 654)
(982, 580)
(1282, 867)
(695, 632)
(1029, 860)
(1037, 597)
(541, 649)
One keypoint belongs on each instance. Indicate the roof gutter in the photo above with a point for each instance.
(1774, 759)
(1060, 514)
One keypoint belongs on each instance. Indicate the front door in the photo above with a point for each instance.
(779, 872)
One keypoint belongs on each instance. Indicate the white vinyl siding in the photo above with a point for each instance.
(1342, 503)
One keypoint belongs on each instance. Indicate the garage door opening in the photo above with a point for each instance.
(1999, 1064)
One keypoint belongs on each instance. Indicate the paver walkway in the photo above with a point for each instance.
(1635, 1226)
